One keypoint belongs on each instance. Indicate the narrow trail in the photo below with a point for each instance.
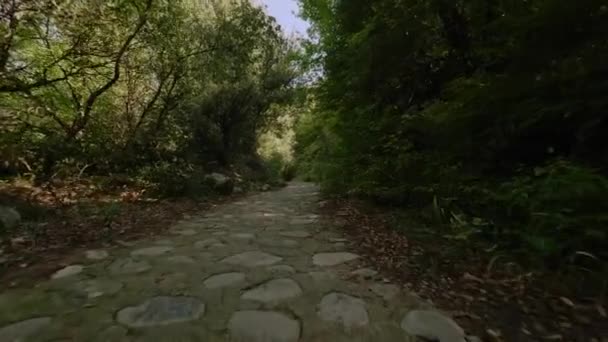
(261, 269)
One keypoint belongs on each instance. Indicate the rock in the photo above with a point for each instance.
(295, 234)
(206, 243)
(265, 187)
(186, 232)
(433, 326)
(386, 291)
(67, 271)
(252, 259)
(22, 331)
(263, 326)
(349, 311)
(113, 333)
(243, 236)
(281, 269)
(96, 254)
(366, 273)
(274, 291)
(152, 251)
(332, 259)
(224, 280)
(321, 277)
(181, 259)
(128, 266)
(98, 287)
(160, 311)
(9, 218)
(220, 183)
(238, 190)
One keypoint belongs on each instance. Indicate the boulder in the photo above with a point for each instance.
(9, 217)
(220, 183)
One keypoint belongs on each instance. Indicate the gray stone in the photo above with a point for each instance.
(206, 243)
(243, 236)
(152, 251)
(281, 269)
(181, 259)
(160, 311)
(224, 280)
(164, 242)
(263, 326)
(98, 287)
(129, 266)
(332, 259)
(321, 277)
(386, 291)
(296, 234)
(96, 254)
(219, 233)
(346, 310)
(186, 232)
(67, 271)
(252, 259)
(21, 331)
(365, 273)
(113, 333)
(338, 240)
(274, 291)
(9, 218)
(432, 325)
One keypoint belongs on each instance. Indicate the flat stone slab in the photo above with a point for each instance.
(186, 232)
(129, 266)
(432, 325)
(252, 259)
(152, 251)
(341, 308)
(263, 326)
(296, 234)
(181, 259)
(68, 271)
(95, 288)
(96, 254)
(206, 243)
(160, 311)
(22, 331)
(386, 291)
(243, 236)
(224, 280)
(332, 259)
(281, 269)
(274, 291)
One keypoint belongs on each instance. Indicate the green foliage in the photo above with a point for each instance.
(452, 105)
(174, 179)
(120, 86)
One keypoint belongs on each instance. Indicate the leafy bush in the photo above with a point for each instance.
(174, 179)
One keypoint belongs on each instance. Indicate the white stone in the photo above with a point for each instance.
(224, 280)
(274, 291)
(22, 331)
(332, 259)
(252, 259)
(67, 271)
(160, 311)
(263, 326)
(152, 251)
(432, 325)
(341, 308)
(296, 234)
(96, 254)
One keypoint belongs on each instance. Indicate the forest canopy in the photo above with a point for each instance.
(493, 112)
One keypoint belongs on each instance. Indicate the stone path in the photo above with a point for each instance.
(261, 269)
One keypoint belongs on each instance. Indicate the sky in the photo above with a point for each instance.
(285, 11)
